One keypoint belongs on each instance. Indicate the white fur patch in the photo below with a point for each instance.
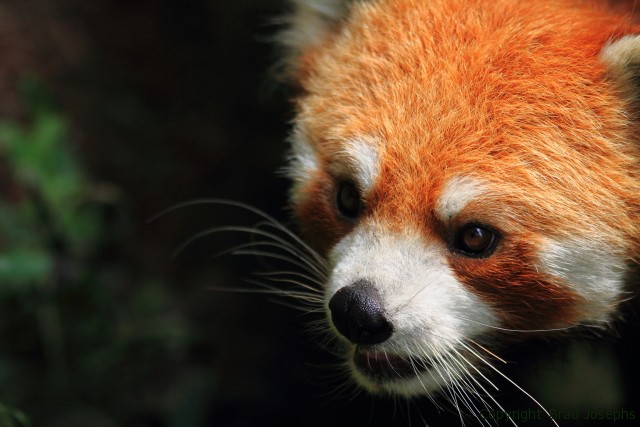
(429, 309)
(622, 58)
(590, 270)
(622, 52)
(303, 163)
(359, 160)
(456, 194)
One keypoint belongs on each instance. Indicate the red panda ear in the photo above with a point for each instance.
(309, 24)
(622, 58)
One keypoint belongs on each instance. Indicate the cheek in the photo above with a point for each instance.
(523, 297)
(317, 217)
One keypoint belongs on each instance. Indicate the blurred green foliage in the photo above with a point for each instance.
(49, 191)
(77, 330)
(46, 235)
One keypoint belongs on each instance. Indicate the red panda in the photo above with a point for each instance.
(469, 169)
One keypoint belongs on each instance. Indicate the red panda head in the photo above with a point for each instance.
(468, 168)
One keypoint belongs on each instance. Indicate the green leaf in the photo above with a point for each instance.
(24, 266)
(42, 162)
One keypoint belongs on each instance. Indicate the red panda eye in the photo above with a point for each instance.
(475, 241)
(348, 200)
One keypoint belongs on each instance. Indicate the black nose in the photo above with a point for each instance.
(357, 314)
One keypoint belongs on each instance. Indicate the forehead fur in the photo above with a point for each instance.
(472, 88)
(359, 160)
(457, 193)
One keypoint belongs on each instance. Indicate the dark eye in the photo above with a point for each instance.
(475, 240)
(348, 200)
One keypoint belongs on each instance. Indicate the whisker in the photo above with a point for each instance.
(488, 394)
(510, 381)
(573, 326)
(288, 304)
(219, 229)
(270, 255)
(244, 290)
(475, 368)
(464, 371)
(242, 229)
(227, 202)
(448, 389)
(429, 360)
(298, 295)
(269, 291)
(487, 351)
(304, 251)
(296, 274)
(456, 380)
(291, 250)
(319, 259)
(461, 374)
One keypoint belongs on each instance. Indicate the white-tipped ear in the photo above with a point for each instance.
(310, 23)
(622, 58)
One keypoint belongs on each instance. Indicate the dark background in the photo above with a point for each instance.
(162, 101)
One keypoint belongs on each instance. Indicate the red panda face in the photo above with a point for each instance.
(468, 169)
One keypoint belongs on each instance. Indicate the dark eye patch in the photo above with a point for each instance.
(348, 200)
